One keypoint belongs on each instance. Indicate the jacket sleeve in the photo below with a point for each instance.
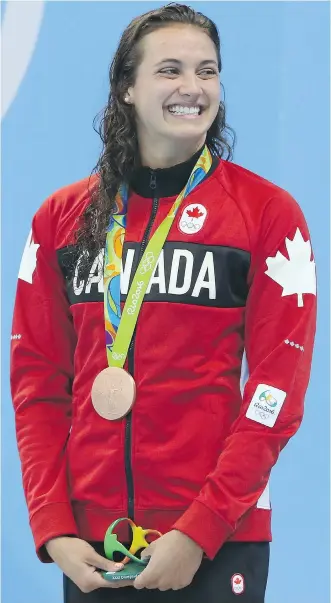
(41, 373)
(279, 337)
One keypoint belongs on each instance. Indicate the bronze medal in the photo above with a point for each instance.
(113, 393)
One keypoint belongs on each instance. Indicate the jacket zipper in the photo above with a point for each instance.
(128, 424)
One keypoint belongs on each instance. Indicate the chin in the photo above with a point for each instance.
(189, 133)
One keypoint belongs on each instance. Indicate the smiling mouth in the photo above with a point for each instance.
(182, 111)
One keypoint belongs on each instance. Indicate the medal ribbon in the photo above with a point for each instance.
(120, 328)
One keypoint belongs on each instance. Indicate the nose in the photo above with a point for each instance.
(190, 85)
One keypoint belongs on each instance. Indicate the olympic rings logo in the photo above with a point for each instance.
(147, 264)
(118, 356)
(190, 225)
(263, 415)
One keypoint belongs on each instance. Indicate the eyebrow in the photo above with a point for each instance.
(205, 62)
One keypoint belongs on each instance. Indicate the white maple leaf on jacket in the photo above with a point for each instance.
(297, 275)
(29, 260)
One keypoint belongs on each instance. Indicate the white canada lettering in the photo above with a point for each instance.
(174, 289)
(96, 274)
(207, 267)
(180, 275)
(78, 288)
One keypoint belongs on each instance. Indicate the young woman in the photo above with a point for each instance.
(166, 312)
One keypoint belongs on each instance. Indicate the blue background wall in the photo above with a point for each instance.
(276, 78)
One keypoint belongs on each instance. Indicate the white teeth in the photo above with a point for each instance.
(180, 110)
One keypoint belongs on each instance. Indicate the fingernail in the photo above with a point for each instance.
(119, 565)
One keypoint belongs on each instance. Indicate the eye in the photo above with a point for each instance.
(169, 71)
(208, 72)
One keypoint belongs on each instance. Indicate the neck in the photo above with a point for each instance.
(162, 156)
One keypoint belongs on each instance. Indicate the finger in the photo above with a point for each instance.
(150, 575)
(121, 583)
(139, 582)
(144, 580)
(102, 563)
(147, 552)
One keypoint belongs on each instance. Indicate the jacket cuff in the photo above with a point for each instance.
(51, 521)
(204, 527)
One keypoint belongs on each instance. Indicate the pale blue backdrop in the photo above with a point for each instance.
(276, 78)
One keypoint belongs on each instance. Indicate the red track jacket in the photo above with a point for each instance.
(221, 357)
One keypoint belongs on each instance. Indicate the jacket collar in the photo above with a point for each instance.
(165, 182)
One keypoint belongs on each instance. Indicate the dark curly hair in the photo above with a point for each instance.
(117, 130)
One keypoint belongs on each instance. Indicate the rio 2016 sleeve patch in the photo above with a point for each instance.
(266, 404)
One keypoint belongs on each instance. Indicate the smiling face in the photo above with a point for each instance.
(176, 93)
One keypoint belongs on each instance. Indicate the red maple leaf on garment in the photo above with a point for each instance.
(194, 213)
(237, 581)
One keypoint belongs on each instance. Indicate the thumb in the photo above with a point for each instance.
(147, 552)
(102, 563)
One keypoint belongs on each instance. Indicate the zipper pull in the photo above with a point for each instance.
(152, 183)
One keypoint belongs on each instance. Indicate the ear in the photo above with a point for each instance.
(128, 97)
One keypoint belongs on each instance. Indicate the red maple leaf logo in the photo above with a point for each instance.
(194, 213)
(237, 581)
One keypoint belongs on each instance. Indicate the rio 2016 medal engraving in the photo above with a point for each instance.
(113, 393)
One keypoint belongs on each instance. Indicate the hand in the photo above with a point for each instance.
(79, 561)
(174, 560)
